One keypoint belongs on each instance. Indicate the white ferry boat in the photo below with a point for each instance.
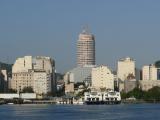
(107, 97)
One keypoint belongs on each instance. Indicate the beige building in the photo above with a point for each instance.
(37, 72)
(150, 77)
(126, 66)
(148, 84)
(43, 63)
(22, 64)
(21, 80)
(69, 88)
(85, 49)
(42, 82)
(129, 85)
(149, 72)
(102, 77)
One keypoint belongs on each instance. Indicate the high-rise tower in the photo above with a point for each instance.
(85, 49)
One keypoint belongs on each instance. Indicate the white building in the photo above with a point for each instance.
(125, 67)
(37, 72)
(42, 82)
(149, 72)
(43, 63)
(150, 77)
(102, 77)
(22, 64)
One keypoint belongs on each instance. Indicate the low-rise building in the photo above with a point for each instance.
(129, 85)
(69, 88)
(148, 84)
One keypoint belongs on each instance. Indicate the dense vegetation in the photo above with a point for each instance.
(27, 90)
(152, 94)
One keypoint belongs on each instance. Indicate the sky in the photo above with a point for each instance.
(51, 28)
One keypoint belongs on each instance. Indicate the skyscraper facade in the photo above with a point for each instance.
(85, 49)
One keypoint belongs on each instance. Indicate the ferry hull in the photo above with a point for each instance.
(102, 102)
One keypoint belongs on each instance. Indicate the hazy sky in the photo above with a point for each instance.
(51, 28)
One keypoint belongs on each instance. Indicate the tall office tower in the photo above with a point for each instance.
(126, 67)
(85, 49)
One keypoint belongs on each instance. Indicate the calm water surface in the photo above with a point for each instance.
(80, 112)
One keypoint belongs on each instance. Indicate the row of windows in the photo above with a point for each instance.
(22, 75)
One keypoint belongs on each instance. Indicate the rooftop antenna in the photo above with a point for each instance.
(85, 29)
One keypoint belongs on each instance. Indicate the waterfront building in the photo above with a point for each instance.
(126, 66)
(21, 80)
(102, 77)
(125, 69)
(22, 64)
(42, 82)
(150, 77)
(86, 49)
(129, 85)
(148, 84)
(37, 72)
(150, 72)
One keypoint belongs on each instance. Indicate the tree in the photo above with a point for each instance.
(153, 94)
(12, 91)
(76, 85)
(137, 93)
(27, 90)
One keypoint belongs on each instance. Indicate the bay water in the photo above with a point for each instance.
(80, 112)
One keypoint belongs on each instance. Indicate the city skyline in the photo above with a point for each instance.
(51, 28)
